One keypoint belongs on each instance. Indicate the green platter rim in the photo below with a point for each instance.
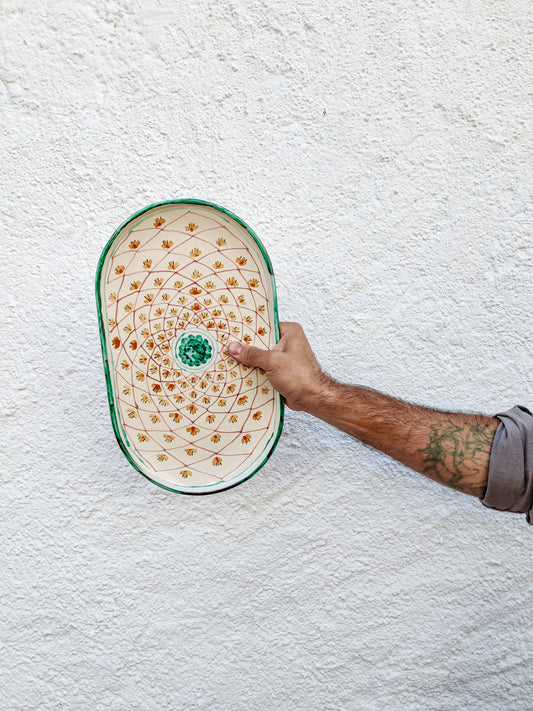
(269, 447)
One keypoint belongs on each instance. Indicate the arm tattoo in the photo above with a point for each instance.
(456, 454)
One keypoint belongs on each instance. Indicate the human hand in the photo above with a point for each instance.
(290, 366)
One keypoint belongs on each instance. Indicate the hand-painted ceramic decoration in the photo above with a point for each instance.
(176, 283)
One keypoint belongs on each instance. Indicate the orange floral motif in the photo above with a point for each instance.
(155, 419)
(241, 299)
(150, 344)
(207, 302)
(190, 451)
(125, 365)
(231, 388)
(223, 299)
(233, 418)
(222, 325)
(159, 221)
(257, 415)
(175, 416)
(193, 431)
(247, 339)
(127, 328)
(217, 461)
(163, 402)
(139, 376)
(248, 319)
(116, 342)
(242, 400)
(179, 399)
(195, 290)
(142, 437)
(162, 457)
(142, 318)
(173, 265)
(196, 306)
(206, 400)
(185, 473)
(156, 388)
(218, 265)
(261, 331)
(249, 382)
(192, 409)
(210, 324)
(133, 345)
(158, 281)
(253, 282)
(195, 252)
(135, 285)
(119, 269)
(145, 399)
(191, 227)
(221, 241)
(112, 296)
(232, 282)
(265, 390)
(171, 387)
(131, 413)
(235, 329)
(143, 359)
(241, 260)
(246, 438)
(148, 298)
(220, 376)
(222, 403)
(210, 418)
(169, 437)
(128, 307)
(147, 263)
(261, 309)
(196, 274)
(134, 244)
(126, 390)
(215, 438)
(167, 243)
(112, 323)
(165, 297)
(178, 284)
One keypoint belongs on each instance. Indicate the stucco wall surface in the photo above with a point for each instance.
(382, 152)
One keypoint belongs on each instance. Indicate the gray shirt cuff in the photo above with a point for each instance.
(510, 481)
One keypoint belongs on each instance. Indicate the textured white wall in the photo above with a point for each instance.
(382, 151)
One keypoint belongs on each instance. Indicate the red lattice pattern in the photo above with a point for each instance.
(176, 270)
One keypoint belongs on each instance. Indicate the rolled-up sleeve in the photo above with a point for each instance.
(510, 480)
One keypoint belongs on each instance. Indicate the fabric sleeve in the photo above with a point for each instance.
(510, 480)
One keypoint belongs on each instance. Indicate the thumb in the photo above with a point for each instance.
(249, 355)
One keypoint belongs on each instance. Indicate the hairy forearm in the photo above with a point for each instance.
(451, 448)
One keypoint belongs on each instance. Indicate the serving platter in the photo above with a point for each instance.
(176, 283)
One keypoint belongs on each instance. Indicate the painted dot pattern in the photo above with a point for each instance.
(179, 284)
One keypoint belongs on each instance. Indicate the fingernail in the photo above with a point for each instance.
(234, 348)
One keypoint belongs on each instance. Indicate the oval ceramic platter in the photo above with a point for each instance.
(175, 284)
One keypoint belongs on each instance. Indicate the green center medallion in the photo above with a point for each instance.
(194, 350)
